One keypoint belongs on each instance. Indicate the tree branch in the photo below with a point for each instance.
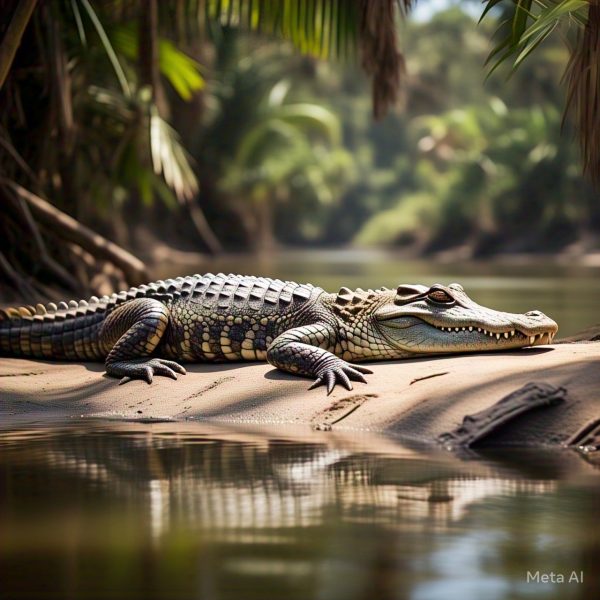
(70, 229)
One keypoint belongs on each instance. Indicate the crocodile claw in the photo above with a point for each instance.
(340, 372)
(144, 369)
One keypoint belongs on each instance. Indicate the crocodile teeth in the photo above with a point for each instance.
(531, 339)
(497, 336)
(463, 328)
(512, 332)
(470, 329)
(456, 329)
(506, 334)
(479, 329)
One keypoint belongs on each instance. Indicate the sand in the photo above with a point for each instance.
(415, 399)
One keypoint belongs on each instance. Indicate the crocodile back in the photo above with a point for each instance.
(211, 317)
(232, 317)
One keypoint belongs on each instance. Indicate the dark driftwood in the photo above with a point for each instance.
(478, 426)
(590, 334)
(73, 231)
(587, 439)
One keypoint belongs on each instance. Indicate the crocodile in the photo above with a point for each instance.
(298, 328)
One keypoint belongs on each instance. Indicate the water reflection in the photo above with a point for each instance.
(99, 511)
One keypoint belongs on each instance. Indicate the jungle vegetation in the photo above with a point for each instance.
(225, 125)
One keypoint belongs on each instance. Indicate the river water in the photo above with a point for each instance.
(569, 293)
(182, 511)
(103, 510)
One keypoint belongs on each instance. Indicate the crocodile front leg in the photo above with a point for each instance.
(130, 334)
(304, 351)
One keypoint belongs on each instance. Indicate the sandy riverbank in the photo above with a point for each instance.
(417, 399)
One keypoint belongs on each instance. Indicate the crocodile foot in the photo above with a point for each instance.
(144, 369)
(339, 371)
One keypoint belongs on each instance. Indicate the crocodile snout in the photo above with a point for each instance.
(535, 322)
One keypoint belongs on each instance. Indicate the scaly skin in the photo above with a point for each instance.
(300, 329)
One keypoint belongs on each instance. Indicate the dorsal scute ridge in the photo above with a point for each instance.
(230, 288)
(347, 296)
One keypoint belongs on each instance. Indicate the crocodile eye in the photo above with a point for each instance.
(440, 297)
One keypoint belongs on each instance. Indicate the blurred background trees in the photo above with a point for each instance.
(212, 126)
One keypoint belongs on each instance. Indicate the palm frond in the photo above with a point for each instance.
(265, 138)
(291, 123)
(170, 158)
(182, 72)
(79, 23)
(528, 24)
(108, 47)
(320, 28)
(328, 29)
(312, 117)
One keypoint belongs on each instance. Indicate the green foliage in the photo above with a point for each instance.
(285, 151)
(284, 146)
(292, 124)
(528, 23)
(410, 221)
(321, 28)
(500, 177)
(182, 72)
(490, 167)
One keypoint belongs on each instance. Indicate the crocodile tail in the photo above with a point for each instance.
(48, 331)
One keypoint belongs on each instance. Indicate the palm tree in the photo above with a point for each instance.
(526, 24)
(86, 81)
(286, 143)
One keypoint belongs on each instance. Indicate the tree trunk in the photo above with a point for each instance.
(12, 37)
(148, 55)
(265, 241)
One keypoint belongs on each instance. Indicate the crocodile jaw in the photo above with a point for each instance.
(421, 326)
(414, 334)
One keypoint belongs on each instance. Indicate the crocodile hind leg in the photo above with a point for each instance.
(303, 351)
(130, 334)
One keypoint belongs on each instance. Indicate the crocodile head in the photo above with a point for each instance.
(416, 319)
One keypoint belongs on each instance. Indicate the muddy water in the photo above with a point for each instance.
(109, 510)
